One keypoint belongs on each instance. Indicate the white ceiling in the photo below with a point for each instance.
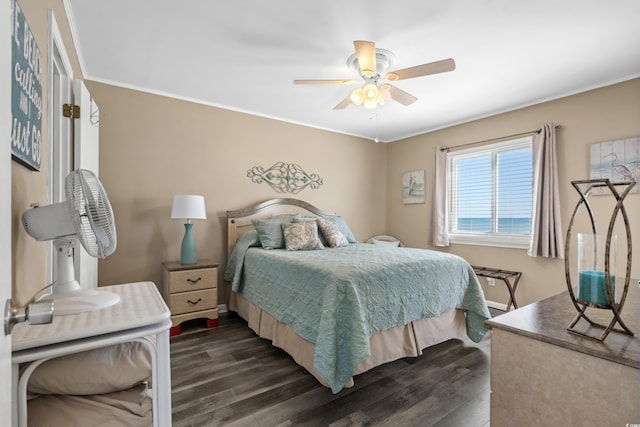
(243, 55)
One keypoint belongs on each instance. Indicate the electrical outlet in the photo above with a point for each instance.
(491, 281)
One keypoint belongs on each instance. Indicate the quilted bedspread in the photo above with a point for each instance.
(338, 297)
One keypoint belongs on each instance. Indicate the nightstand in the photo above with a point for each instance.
(191, 292)
(140, 314)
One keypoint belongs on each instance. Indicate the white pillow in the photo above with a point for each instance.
(131, 408)
(102, 370)
(393, 243)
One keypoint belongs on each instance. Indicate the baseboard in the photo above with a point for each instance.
(497, 305)
(222, 308)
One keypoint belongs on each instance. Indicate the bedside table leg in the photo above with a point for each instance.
(212, 323)
(176, 330)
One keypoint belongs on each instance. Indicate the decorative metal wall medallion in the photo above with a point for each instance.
(285, 177)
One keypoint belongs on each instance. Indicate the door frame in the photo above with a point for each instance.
(60, 129)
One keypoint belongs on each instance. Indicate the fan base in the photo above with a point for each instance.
(81, 301)
(384, 61)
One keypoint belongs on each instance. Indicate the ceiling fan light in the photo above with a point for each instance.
(370, 92)
(384, 93)
(357, 96)
(371, 104)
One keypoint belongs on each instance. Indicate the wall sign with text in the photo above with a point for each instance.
(26, 92)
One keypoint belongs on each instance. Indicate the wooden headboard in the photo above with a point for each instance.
(239, 222)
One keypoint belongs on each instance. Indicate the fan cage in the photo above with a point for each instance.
(90, 210)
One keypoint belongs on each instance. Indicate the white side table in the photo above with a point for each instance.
(140, 313)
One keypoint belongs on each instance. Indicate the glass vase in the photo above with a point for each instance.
(592, 271)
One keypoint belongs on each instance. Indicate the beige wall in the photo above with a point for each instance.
(152, 147)
(600, 115)
(28, 187)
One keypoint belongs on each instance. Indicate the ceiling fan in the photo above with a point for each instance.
(371, 64)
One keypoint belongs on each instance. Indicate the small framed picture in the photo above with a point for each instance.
(618, 160)
(413, 187)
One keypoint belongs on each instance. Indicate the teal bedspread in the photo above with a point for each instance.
(338, 297)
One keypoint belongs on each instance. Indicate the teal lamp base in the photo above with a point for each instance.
(188, 253)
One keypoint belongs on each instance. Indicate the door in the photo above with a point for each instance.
(85, 156)
(5, 206)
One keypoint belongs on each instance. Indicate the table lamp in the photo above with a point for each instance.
(188, 207)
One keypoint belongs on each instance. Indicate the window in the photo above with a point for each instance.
(489, 194)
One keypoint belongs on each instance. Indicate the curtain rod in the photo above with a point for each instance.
(495, 139)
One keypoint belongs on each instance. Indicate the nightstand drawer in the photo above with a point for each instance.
(187, 302)
(192, 280)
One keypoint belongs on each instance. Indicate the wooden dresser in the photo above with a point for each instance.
(191, 292)
(544, 375)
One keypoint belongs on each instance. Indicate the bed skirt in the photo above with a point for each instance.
(386, 346)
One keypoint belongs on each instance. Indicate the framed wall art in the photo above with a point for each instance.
(617, 160)
(26, 92)
(413, 187)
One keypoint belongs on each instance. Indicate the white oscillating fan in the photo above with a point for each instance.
(85, 216)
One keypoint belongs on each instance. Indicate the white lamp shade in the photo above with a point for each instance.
(187, 206)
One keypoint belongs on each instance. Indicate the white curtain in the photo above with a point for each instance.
(546, 228)
(440, 232)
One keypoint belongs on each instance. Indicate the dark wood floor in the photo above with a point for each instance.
(229, 376)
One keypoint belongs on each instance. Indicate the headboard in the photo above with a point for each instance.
(239, 221)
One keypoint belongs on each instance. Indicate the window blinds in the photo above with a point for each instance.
(490, 189)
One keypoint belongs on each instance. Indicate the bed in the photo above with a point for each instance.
(299, 278)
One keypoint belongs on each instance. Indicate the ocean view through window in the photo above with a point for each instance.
(489, 194)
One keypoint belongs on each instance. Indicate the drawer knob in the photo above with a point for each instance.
(194, 302)
(193, 282)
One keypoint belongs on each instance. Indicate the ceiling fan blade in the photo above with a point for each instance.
(401, 96)
(322, 82)
(344, 103)
(366, 54)
(422, 70)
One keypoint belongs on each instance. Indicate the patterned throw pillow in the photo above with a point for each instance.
(342, 223)
(331, 231)
(301, 236)
(300, 218)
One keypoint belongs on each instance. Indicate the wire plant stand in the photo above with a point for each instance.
(584, 188)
